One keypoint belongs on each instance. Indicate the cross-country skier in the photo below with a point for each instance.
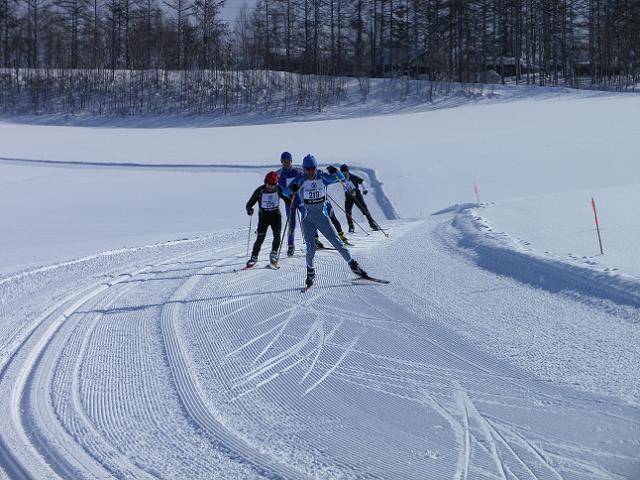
(311, 189)
(286, 175)
(268, 198)
(352, 194)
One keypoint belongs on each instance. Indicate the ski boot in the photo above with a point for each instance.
(252, 261)
(311, 277)
(291, 249)
(374, 227)
(273, 258)
(352, 229)
(344, 238)
(355, 268)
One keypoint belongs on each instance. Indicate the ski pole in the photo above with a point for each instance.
(249, 237)
(345, 212)
(284, 232)
(304, 239)
(357, 202)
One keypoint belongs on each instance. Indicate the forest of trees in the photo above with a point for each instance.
(580, 43)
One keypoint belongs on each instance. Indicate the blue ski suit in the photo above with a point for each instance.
(314, 208)
(285, 177)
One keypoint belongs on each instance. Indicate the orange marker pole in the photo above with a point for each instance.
(595, 216)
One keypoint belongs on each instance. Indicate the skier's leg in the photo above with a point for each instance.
(309, 230)
(276, 227)
(263, 224)
(336, 222)
(365, 210)
(324, 225)
(348, 208)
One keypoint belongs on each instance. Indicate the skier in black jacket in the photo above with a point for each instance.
(268, 198)
(354, 195)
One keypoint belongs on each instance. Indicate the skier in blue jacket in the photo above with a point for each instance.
(311, 189)
(286, 175)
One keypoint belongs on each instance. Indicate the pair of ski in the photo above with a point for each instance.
(271, 266)
(275, 266)
(366, 277)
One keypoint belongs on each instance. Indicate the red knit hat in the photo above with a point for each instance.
(271, 178)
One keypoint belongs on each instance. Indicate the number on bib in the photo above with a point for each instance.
(349, 186)
(314, 191)
(269, 201)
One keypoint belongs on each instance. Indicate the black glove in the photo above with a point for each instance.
(332, 170)
(364, 192)
(295, 187)
(250, 211)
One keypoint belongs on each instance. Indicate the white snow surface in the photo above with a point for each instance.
(563, 225)
(503, 347)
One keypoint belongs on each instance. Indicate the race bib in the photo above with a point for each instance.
(314, 191)
(349, 186)
(269, 201)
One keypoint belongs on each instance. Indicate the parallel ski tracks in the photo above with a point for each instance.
(35, 423)
(234, 374)
(30, 354)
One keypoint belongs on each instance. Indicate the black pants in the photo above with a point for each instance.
(335, 221)
(358, 199)
(266, 220)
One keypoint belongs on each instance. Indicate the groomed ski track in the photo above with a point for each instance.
(162, 362)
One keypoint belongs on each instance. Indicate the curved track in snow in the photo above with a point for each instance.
(167, 362)
(383, 201)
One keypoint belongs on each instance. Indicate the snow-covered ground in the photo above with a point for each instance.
(563, 224)
(503, 348)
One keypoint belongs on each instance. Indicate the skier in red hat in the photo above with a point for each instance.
(268, 198)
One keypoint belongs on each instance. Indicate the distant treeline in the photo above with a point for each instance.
(211, 92)
(580, 43)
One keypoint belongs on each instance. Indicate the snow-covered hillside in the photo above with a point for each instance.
(504, 347)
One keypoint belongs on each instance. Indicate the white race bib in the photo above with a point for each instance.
(269, 201)
(349, 186)
(314, 191)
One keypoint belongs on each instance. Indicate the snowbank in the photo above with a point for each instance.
(503, 254)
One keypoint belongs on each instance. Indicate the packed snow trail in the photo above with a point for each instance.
(162, 362)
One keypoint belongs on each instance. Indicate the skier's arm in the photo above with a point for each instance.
(282, 181)
(253, 200)
(290, 191)
(285, 198)
(359, 182)
(329, 179)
